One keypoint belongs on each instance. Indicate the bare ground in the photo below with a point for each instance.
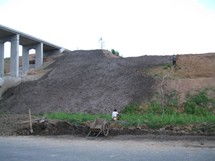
(18, 124)
(97, 82)
(85, 81)
(192, 74)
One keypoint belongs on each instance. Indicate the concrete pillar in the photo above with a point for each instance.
(39, 55)
(14, 59)
(25, 59)
(1, 59)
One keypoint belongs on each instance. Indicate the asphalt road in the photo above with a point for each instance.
(66, 148)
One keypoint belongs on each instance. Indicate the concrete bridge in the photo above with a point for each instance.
(28, 42)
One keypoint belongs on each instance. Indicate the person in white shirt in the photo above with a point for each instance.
(115, 115)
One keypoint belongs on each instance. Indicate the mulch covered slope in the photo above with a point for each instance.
(85, 81)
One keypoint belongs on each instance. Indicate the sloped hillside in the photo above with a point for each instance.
(192, 73)
(92, 81)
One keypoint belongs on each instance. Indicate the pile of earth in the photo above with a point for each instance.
(92, 81)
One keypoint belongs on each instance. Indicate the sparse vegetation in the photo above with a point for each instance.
(167, 66)
(133, 108)
(157, 121)
(198, 104)
(154, 114)
(188, 66)
(152, 120)
(76, 118)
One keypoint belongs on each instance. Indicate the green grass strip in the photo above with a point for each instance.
(151, 120)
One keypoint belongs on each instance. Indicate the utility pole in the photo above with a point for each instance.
(101, 42)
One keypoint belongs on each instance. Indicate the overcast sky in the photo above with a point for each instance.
(133, 27)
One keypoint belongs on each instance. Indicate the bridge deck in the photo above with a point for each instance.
(26, 39)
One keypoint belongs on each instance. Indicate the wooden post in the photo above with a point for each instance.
(30, 120)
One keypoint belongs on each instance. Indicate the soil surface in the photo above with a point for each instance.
(18, 124)
(92, 81)
(9, 124)
(191, 74)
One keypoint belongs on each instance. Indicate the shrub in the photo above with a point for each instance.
(171, 99)
(197, 104)
(132, 108)
(157, 108)
(114, 52)
(167, 66)
(169, 110)
(190, 107)
(201, 99)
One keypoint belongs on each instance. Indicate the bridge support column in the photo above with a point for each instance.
(14, 64)
(1, 59)
(39, 55)
(25, 59)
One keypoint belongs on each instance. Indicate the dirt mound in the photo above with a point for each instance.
(85, 81)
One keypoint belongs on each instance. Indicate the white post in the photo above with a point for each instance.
(25, 59)
(39, 55)
(1, 59)
(14, 59)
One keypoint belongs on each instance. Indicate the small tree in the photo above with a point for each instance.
(114, 52)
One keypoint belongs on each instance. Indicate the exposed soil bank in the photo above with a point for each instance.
(56, 127)
(18, 124)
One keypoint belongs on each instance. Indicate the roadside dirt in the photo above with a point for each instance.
(56, 127)
(9, 124)
(19, 125)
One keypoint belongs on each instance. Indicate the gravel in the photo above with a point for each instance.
(91, 81)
